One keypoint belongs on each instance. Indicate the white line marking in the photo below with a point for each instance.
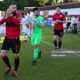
(47, 43)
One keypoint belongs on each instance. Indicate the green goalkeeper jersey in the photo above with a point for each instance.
(37, 29)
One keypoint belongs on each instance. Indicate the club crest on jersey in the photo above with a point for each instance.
(18, 17)
(37, 19)
(60, 15)
(14, 16)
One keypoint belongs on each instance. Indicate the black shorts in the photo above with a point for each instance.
(68, 24)
(14, 44)
(75, 26)
(58, 32)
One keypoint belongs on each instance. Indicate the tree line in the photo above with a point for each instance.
(32, 3)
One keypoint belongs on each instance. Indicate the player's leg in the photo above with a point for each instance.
(0, 32)
(37, 53)
(5, 58)
(35, 47)
(31, 30)
(54, 38)
(64, 30)
(55, 41)
(60, 34)
(24, 32)
(60, 42)
(67, 27)
(4, 31)
(64, 26)
(35, 42)
(75, 29)
(0, 36)
(6, 61)
(16, 49)
(16, 63)
(38, 42)
(5, 46)
(24, 37)
(28, 33)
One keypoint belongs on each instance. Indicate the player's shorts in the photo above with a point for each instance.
(58, 32)
(75, 26)
(74, 29)
(35, 39)
(68, 24)
(14, 44)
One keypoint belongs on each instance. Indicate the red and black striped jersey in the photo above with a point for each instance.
(12, 26)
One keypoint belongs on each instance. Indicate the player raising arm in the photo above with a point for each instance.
(11, 40)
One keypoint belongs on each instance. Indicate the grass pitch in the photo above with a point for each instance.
(47, 68)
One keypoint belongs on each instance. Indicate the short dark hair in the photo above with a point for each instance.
(13, 3)
(22, 13)
(34, 9)
(58, 6)
(28, 12)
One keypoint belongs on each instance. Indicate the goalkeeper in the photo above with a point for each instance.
(36, 36)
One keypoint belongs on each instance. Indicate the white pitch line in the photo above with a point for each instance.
(47, 43)
(53, 45)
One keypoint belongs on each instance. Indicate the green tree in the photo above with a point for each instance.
(42, 2)
(67, 1)
(31, 3)
(51, 2)
(76, 0)
(4, 4)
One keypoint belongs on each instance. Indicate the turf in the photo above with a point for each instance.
(47, 68)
